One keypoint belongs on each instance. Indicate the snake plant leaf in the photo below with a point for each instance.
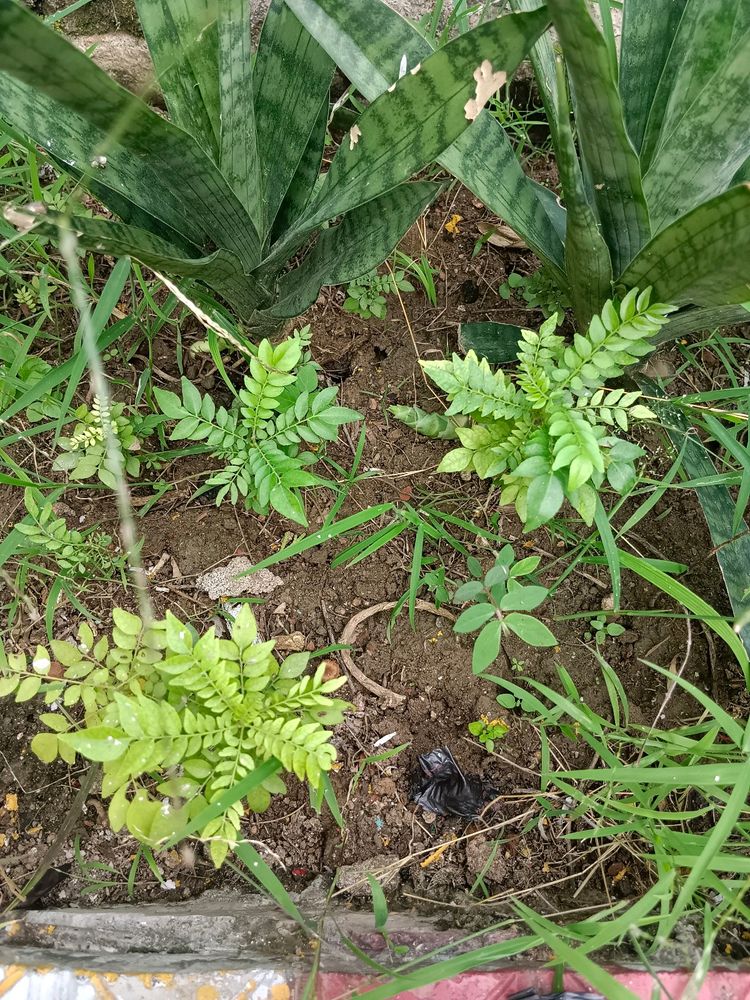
(301, 189)
(181, 37)
(51, 89)
(648, 29)
(701, 259)
(692, 319)
(221, 269)
(293, 73)
(368, 42)
(238, 160)
(364, 238)
(608, 155)
(585, 248)
(703, 36)
(498, 342)
(407, 127)
(702, 147)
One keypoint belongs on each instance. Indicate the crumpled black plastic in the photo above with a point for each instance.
(444, 789)
(532, 994)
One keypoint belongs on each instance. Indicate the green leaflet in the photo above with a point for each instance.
(406, 128)
(364, 238)
(292, 78)
(368, 41)
(701, 259)
(608, 155)
(586, 251)
(181, 37)
(68, 105)
(648, 30)
(705, 142)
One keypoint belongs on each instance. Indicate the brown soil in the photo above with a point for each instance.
(375, 365)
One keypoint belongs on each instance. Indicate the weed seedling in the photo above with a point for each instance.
(366, 296)
(499, 605)
(600, 630)
(488, 730)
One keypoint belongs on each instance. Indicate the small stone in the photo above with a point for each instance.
(353, 878)
(293, 643)
(428, 816)
(608, 602)
(228, 581)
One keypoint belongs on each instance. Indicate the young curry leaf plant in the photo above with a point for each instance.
(229, 190)
(179, 719)
(654, 190)
(547, 433)
(262, 435)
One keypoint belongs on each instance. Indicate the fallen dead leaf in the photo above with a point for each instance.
(501, 235)
(11, 802)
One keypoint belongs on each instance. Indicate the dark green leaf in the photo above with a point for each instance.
(608, 155)
(292, 79)
(648, 30)
(364, 238)
(498, 342)
(303, 183)
(701, 258)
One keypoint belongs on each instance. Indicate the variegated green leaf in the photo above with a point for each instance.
(703, 142)
(239, 160)
(292, 79)
(608, 156)
(691, 319)
(428, 109)
(648, 30)
(586, 252)
(702, 37)
(303, 183)
(369, 41)
(181, 36)
(68, 105)
(701, 259)
(364, 238)
(221, 269)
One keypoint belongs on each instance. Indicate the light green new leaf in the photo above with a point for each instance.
(364, 238)
(406, 128)
(701, 259)
(99, 743)
(292, 73)
(368, 42)
(69, 106)
(181, 38)
(609, 157)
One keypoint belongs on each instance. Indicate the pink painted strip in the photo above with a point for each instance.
(721, 984)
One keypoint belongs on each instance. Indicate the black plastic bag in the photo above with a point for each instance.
(444, 789)
(532, 994)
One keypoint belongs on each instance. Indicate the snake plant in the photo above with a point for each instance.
(653, 190)
(230, 189)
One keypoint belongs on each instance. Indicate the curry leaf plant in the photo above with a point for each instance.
(654, 188)
(179, 719)
(229, 189)
(262, 435)
(547, 432)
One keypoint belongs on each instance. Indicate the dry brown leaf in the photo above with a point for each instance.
(501, 236)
